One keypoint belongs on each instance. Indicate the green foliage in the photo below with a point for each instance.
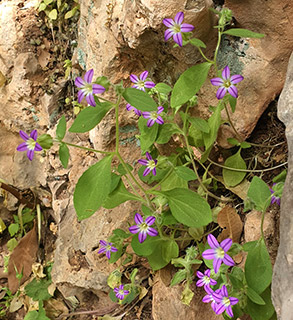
(163, 88)
(148, 135)
(231, 177)
(38, 289)
(45, 140)
(37, 315)
(166, 131)
(197, 43)
(243, 33)
(185, 173)
(92, 188)
(58, 9)
(189, 84)
(214, 123)
(61, 128)
(139, 99)
(89, 117)
(200, 124)
(259, 193)
(64, 154)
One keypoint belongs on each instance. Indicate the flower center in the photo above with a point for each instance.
(227, 84)
(154, 115)
(151, 164)
(177, 28)
(206, 279)
(226, 301)
(121, 292)
(220, 253)
(31, 143)
(88, 88)
(108, 247)
(140, 84)
(143, 227)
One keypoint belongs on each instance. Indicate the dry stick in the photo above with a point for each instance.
(17, 195)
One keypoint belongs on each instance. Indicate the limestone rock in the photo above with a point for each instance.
(282, 287)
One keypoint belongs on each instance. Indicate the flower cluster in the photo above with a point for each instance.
(143, 228)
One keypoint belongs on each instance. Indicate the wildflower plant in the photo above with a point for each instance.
(172, 210)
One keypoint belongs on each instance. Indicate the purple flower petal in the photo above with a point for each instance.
(79, 82)
(146, 172)
(154, 171)
(217, 81)
(38, 147)
(214, 306)
(22, 147)
(148, 156)
(224, 291)
(103, 243)
(228, 260)
(97, 89)
(30, 154)
(34, 134)
(142, 236)
(233, 91)
(150, 220)
(113, 249)
(179, 17)
(200, 283)
(138, 218)
(108, 254)
(143, 162)
(207, 273)
(199, 274)
(213, 282)
(129, 107)
(212, 241)
(146, 114)
(23, 135)
(88, 77)
(236, 78)
(185, 27)
(102, 250)
(226, 73)
(152, 232)
(206, 299)
(143, 75)
(160, 120)
(134, 229)
(134, 78)
(220, 309)
(149, 84)
(90, 99)
(221, 92)
(80, 95)
(226, 244)
(177, 37)
(216, 264)
(150, 122)
(168, 34)
(229, 311)
(208, 254)
(168, 22)
(233, 300)
(160, 109)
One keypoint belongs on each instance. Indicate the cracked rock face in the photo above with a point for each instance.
(282, 287)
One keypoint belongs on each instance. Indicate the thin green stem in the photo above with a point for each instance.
(217, 49)
(261, 225)
(100, 98)
(117, 123)
(87, 149)
(204, 56)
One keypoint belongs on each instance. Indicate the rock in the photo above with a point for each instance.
(167, 305)
(282, 288)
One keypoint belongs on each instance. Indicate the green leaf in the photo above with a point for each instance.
(232, 178)
(261, 312)
(92, 188)
(173, 181)
(139, 99)
(11, 244)
(122, 170)
(200, 124)
(163, 88)
(165, 132)
(197, 43)
(70, 13)
(233, 141)
(281, 177)
(37, 315)
(232, 102)
(13, 229)
(245, 145)
(118, 196)
(145, 248)
(248, 246)
(243, 33)
(189, 83)
(38, 289)
(254, 297)
(170, 250)
(185, 173)
(115, 179)
(53, 14)
(89, 117)
(42, 6)
(188, 207)
(179, 276)
(258, 275)
(214, 124)
(45, 140)
(61, 128)
(259, 193)
(148, 135)
(64, 154)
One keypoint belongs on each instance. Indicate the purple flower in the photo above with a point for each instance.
(30, 145)
(150, 164)
(205, 279)
(210, 297)
(120, 293)
(87, 88)
(143, 227)
(153, 116)
(136, 111)
(226, 83)
(107, 247)
(176, 27)
(218, 252)
(275, 199)
(141, 83)
(224, 301)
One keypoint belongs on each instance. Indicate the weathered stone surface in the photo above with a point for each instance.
(282, 288)
(167, 304)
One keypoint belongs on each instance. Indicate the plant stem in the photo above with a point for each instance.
(117, 123)
(87, 149)
(261, 225)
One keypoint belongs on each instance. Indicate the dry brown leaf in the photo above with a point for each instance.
(240, 190)
(44, 58)
(22, 258)
(2, 79)
(54, 308)
(230, 221)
